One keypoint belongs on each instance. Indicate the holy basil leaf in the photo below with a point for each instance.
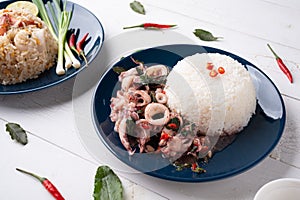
(17, 133)
(118, 69)
(205, 35)
(107, 185)
(136, 6)
(130, 126)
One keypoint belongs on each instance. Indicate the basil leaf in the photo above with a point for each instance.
(17, 133)
(130, 126)
(136, 6)
(107, 185)
(205, 35)
(118, 69)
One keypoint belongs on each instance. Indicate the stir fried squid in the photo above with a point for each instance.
(143, 119)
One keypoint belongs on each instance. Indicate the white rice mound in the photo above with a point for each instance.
(27, 47)
(220, 105)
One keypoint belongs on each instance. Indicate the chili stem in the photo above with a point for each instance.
(41, 179)
(137, 26)
(276, 56)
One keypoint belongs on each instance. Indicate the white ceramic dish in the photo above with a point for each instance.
(280, 189)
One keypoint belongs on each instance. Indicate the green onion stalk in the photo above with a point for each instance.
(75, 62)
(44, 16)
(62, 32)
(68, 61)
(61, 22)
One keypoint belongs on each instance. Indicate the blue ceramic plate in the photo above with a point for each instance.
(251, 145)
(49, 78)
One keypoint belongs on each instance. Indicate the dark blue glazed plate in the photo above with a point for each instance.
(250, 146)
(49, 78)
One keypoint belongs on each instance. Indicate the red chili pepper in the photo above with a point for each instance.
(164, 136)
(172, 126)
(209, 66)
(221, 70)
(46, 183)
(282, 66)
(213, 73)
(194, 166)
(80, 46)
(72, 43)
(151, 25)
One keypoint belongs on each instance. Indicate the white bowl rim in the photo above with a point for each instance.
(281, 181)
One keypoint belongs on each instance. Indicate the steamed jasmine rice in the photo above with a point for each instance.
(221, 104)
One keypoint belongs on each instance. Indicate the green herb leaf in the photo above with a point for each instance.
(17, 133)
(174, 120)
(107, 185)
(205, 35)
(130, 126)
(118, 69)
(145, 79)
(136, 6)
(199, 170)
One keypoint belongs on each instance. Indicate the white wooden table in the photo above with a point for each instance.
(57, 148)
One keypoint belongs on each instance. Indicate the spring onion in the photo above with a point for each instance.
(68, 61)
(61, 20)
(75, 62)
(62, 32)
(53, 14)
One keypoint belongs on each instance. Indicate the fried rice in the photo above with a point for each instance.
(27, 47)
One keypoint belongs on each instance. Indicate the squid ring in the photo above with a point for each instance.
(161, 97)
(143, 97)
(157, 114)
